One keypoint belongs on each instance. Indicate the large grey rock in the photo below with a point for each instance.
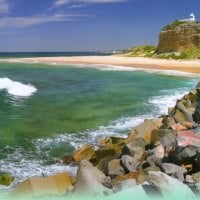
(91, 181)
(168, 121)
(168, 139)
(135, 147)
(103, 164)
(157, 155)
(196, 178)
(196, 115)
(144, 130)
(189, 180)
(159, 151)
(185, 109)
(170, 187)
(115, 168)
(136, 151)
(184, 154)
(174, 170)
(198, 157)
(137, 142)
(129, 163)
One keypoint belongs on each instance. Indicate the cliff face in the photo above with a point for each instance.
(179, 36)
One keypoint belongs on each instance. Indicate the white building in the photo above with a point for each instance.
(191, 19)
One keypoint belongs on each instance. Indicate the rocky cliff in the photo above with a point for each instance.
(179, 36)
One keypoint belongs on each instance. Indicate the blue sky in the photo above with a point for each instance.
(86, 25)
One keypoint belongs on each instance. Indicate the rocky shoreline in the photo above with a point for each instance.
(159, 158)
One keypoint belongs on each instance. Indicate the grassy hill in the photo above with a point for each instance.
(150, 51)
(140, 51)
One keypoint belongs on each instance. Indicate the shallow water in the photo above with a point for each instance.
(71, 106)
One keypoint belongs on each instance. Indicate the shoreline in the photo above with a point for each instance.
(191, 66)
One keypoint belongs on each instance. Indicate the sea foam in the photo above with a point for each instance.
(150, 70)
(16, 88)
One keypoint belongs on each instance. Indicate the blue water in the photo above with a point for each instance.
(49, 54)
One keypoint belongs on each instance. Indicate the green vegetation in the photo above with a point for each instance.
(192, 53)
(140, 51)
(173, 25)
(186, 54)
(172, 55)
(150, 51)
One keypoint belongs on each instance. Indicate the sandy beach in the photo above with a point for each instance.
(192, 66)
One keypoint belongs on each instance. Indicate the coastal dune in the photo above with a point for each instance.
(192, 66)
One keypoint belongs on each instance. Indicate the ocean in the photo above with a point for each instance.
(50, 54)
(48, 111)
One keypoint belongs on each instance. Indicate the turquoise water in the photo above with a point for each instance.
(73, 106)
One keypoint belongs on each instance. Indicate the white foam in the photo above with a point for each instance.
(105, 67)
(155, 71)
(163, 102)
(16, 88)
(30, 168)
(33, 168)
(119, 127)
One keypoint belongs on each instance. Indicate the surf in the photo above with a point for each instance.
(17, 88)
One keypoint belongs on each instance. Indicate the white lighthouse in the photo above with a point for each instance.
(191, 19)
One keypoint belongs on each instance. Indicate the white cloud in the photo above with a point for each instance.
(4, 7)
(64, 2)
(20, 22)
(61, 2)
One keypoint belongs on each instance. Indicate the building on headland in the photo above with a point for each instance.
(191, 19)
(180, 35)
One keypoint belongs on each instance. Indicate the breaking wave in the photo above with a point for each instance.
(16, 88)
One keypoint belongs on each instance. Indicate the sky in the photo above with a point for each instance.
(87, 25)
